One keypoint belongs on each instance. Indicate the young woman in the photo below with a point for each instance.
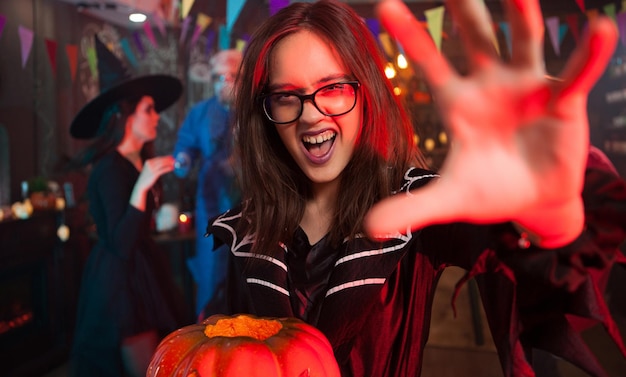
(326, 158)
(128, 299)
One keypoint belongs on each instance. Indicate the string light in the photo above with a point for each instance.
(429, 144)
(401, 61)
(390, 71)
(443, 137)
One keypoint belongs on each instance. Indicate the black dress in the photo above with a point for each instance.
(127, 287)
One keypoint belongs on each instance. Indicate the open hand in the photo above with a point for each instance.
(519, 139)
(154, 168)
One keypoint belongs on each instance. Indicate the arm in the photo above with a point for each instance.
(187, 145)
(527, 135)
(121, 201)
(119, 223)
(151, 171)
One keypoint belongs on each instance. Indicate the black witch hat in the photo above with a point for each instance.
(116, 84)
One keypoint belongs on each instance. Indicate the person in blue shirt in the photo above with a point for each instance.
(205, 139)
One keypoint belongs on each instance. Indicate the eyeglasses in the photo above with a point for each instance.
(223, 77)
(331, 100)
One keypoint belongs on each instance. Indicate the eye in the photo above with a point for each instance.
(284, 99)
(334, 89)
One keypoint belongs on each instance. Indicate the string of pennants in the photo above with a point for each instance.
(557, 27)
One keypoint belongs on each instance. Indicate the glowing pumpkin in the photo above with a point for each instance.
(245, 345)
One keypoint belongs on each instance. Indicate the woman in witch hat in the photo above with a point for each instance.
(127, 300)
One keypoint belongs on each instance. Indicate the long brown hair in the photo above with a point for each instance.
(274, 188)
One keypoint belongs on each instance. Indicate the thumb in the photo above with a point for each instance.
(413, 210)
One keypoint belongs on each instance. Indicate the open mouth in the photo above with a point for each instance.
(319, 145)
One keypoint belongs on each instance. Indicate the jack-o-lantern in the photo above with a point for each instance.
(245, 345)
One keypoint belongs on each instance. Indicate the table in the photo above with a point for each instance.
(185, 243)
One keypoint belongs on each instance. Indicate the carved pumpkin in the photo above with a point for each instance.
(245, 345)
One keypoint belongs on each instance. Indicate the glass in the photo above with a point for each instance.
(331, 100)
(221, 78)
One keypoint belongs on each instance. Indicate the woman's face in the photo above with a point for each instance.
(142, 124)
(321, 145)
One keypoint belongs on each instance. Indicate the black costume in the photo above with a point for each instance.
(373, 301)
(127, 287)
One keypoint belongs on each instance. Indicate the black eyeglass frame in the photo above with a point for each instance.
(304, 97)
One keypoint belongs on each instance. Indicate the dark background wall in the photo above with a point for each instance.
(37, 105)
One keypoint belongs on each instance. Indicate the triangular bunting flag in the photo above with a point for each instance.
(51, 49)
(26, 42)
(552, 24)
(240, 45)
(621, 25)
(187, 4)
(92, 61)
(572, 22)
(494, 38)
(224, 38)
(3, 21)
(385, 41)
(158, 21)
(562, 31)
(139, 44)
(130, 56)
(581, 5)
(184, 29)
(434, 18)
(72, 58)
(609, 10)
(276, 5)
(196, 34)
(233, 8)
(147, 28)
(373, 25)
(202, 21)
(210, 40)
(506, 30)
(592, 14)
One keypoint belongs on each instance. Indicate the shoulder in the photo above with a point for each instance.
(230, 228)
(200, 110)
(110, 165)
(108, 161)
(415, 178)
(203, 105)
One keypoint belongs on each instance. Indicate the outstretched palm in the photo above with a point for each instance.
(520, 139)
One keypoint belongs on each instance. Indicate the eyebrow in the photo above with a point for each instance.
(278, 87)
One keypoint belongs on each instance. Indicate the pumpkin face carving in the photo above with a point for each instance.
(244, 345)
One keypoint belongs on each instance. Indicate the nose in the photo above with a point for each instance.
(310, 113)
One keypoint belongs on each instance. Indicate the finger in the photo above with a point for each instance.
(527, 32)
(398, 20)
(433, 204)
(590, 58)
(476, 30)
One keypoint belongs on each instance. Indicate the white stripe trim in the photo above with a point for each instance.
(356, 283)
(369, 253)
(268, 284)
(275, 261)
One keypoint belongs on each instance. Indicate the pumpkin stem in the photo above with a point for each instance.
(243, 325)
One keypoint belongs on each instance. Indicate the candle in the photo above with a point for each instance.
(184, 222)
